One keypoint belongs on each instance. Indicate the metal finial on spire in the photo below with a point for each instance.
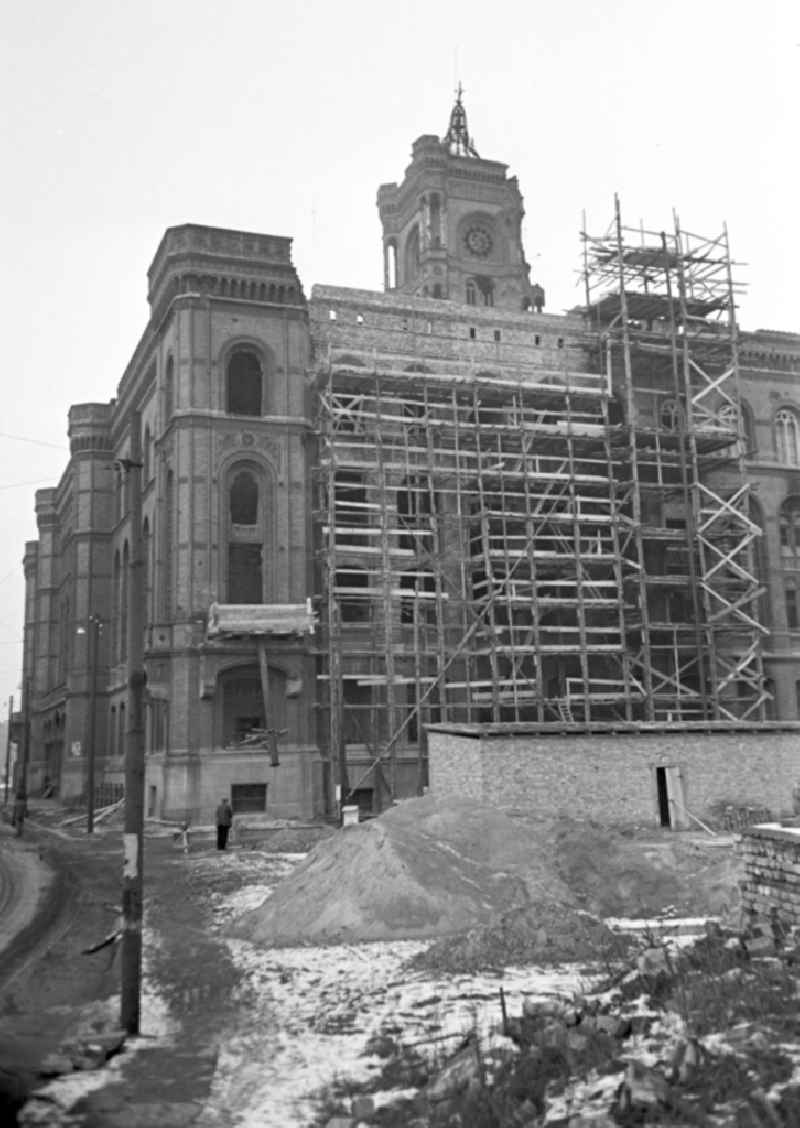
(457, 137)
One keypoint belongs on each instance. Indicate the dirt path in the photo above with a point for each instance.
(25, 881)
(189, 979)
(231, 1034)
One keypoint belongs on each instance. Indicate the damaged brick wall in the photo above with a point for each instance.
(771, 881)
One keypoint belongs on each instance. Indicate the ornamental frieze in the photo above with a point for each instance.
(253, 441)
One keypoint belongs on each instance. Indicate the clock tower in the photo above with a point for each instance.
(452, 229)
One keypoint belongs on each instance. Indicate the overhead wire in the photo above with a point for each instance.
(36, 442)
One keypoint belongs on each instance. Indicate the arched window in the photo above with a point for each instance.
(112, 730)
(472, 293)
(242, 699)
(790, 533)
(116, 598)
(123, 732)
(248, 509)
(123, 610)
(146, 568)
(64, 642)
(437, 290)
(738, 418)
(244, 383)
(760, 560)
(787, 437)
(169, 390)
(146, 455)
(166, 548)
(435, 220)
(244, 499)
(412, 255)
(119, 494)
(670, 414)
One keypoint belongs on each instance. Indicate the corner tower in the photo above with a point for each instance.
(453, 228)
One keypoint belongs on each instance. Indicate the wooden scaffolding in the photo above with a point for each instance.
(548, 547)
(664, 308)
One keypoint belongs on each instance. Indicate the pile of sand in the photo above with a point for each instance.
(429, 868)
(422, 869)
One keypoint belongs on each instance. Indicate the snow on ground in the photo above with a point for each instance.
(661, 924)
(306, 1015)
(156, 1025)
(674, 932)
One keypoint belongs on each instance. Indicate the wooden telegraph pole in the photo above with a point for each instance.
(22, 782)
(8, 747)
(133, 838)
(93, 642)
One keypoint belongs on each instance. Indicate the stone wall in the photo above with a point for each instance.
(612, 776)
(771, 882)
(191, 786)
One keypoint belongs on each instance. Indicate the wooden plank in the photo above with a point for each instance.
(263, 669)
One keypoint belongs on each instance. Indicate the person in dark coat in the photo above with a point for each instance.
(19, 812)
(224, 823)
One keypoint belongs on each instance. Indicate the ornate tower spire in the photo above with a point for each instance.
(453, 228)
(457, 137)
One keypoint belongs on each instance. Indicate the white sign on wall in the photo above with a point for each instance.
(75, 748)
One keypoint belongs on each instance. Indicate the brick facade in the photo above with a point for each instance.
(612, 777)
(217, 295)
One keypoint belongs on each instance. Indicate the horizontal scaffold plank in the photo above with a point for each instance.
(551, 382)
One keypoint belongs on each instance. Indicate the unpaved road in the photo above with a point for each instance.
(234, 1035)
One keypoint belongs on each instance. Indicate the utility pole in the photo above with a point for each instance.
(26, 739)
(8, 747)
(93, 641)
(133, 838)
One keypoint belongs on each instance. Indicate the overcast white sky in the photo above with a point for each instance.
(120, 119)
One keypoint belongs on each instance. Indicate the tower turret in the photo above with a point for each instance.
(453, 227)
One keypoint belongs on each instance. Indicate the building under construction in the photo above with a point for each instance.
(546, 527)
(375, 522)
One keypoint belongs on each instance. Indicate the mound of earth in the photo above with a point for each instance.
(424, 868)
(645, 873)
(512, 885)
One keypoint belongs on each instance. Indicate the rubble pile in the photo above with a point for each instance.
(706, 1036)
(543, 933)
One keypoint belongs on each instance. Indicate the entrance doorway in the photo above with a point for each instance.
(670, 796)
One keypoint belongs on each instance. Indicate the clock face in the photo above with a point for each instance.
(478, 241)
